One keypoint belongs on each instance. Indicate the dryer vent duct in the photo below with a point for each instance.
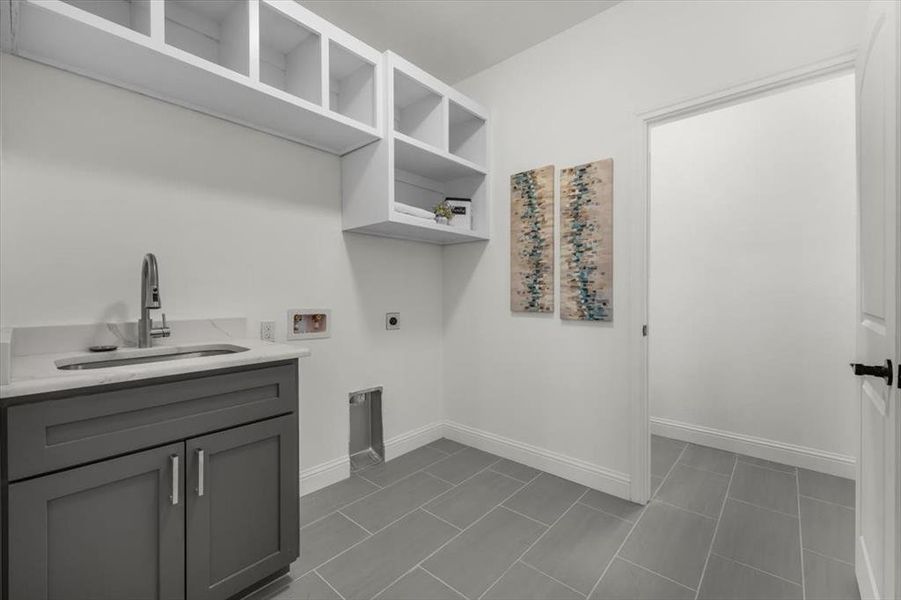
(367, 446)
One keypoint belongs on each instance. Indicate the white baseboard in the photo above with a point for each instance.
(324, 475)
(593, 476)
(863, 569)
(411, 440)
(789, 454)
(333, 471)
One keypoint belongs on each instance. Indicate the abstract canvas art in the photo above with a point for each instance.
(532, 241)
(586, 242)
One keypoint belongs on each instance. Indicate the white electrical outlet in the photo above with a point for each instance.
(267, 331)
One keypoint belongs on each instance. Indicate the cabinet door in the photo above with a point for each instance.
(107, 531)
(242, 506)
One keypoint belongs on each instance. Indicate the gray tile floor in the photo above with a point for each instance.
(447, 522)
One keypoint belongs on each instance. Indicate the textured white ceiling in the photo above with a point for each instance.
(453, 39)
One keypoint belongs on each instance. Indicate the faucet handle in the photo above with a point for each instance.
(160, 331)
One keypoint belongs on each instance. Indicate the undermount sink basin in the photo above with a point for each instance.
(124, 358)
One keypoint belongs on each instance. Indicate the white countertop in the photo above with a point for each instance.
(38, 373)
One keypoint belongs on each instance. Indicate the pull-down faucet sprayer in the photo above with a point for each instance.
(150, 299)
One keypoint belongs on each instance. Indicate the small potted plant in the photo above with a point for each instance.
(443, 213)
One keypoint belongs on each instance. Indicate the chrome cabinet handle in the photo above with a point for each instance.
(200, 462)
(173, 460)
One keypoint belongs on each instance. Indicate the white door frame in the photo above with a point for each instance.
(640, 440)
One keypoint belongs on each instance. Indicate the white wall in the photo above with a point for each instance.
(752, 268)
(247, 224)
(565, 386)
(243, 224)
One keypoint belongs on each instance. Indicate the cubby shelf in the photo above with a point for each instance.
(435, 147)
(261, 63)
(405, 227)
(290, 55)
(417, 157)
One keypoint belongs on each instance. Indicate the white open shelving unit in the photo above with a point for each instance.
(268, 64)
(435, 146)
(404, 136)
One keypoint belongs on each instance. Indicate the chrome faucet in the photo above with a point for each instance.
(150, 299)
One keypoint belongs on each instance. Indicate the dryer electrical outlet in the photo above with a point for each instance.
(392, 321)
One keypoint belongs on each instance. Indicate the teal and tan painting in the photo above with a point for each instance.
(532, 241)
(586, 242)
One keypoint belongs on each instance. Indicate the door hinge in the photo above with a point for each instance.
(644, 330)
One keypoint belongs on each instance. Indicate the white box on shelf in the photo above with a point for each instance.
(462, 209)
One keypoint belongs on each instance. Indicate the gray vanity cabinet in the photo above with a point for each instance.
(242, 506)
(107, 531)
(178, 488)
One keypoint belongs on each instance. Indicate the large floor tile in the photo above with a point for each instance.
(447, 446)
(709, 459)
(475, 559)
(546, 498)
(728, 580)
(391, 503)
(387, 473)
(759, 462)
(619, 507)
(474, 498)
(826, 487)
(324, 539)
(371, 566)
(664, 453)
(515, 470)
(828, 579)
(522, 582)
(672, 542)
(761, 538)
(625, 581)
(329, 499)
(765, 487)
(579, 546)
(828, 529)
(309, 587)
(419, 585)
(462, 465)
(696, 490)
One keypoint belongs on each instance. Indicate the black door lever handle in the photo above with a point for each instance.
(883, 371)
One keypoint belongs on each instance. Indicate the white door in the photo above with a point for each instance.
(878, 66)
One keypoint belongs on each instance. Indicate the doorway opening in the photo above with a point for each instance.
(751, 287)
(752, 277)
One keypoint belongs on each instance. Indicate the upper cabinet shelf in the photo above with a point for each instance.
(215, 30)
(435, 147)
(407, 140)
(418, 110)
(268, 64)
(290, 55)
(414, 156)
(352, 88)
(467, 133)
